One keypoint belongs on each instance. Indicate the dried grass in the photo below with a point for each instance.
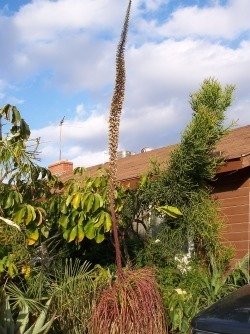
(132, 305)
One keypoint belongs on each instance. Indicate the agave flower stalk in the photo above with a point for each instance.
(132, 303)
(114, 124)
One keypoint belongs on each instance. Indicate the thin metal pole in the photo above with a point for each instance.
(1, 135)
(60, 151)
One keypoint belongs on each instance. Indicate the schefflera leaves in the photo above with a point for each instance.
(84, 211)
(33, 217)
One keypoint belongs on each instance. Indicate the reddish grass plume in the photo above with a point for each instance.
(132, 305)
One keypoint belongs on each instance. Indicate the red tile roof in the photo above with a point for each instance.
(236, 143)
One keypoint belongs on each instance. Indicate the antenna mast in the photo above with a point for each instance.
(1, 135)
(60, 125)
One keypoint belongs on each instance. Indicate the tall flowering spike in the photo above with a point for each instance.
(118, 97)
(132, 304)
(114, 124)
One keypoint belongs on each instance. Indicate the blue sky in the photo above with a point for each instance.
(57, 59)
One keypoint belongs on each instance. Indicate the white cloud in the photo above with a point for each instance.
(152, 5)
(79, 131)
(49, 19)
(239, 111)
(173, 69)
(90, 158)
(216, 21)
(85, 142)
(74, 43)
(159, 80)
(5, 97)
(80, 111)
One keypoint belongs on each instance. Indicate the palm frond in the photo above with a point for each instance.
(19, 299)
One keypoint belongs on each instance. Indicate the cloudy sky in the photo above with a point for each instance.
(57, 60)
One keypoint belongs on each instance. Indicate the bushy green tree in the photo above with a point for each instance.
(191, 261)
(22, 186)
(186, 182)
(36, 210)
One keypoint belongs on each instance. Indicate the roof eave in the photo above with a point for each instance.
(234, 164)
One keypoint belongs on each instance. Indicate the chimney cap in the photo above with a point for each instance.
(60, 162)
(61, 167)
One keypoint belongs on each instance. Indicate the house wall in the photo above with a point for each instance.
(232, 190)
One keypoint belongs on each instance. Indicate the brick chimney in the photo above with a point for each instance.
(61, 167)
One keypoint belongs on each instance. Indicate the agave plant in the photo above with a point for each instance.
(20, 324)
(132, 304)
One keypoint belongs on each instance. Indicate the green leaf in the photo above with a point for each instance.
(66, 234)
(81, 218)
(25, 129)
(9, 202)
(33, 237)
(97, 182)
(16, 118)
(99, 237)
(18, 216)
(68, 200)
(23, 318)
(80, 233)
(90, 232)
(90, 202)
(12, 269)
(6, 111)
(63, 221)
(96, 204)
(100, 220)
(170, 211)
(9, 317)
(84, 199)
(17, 197)
(63, 208)
(108, 222)
(30, 214)
(40, 327)
(72, 234)
(45, 231)
(76, 200)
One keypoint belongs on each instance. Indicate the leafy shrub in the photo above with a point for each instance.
(187, 293)
(74, 291)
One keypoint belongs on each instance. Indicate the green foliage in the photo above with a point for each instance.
(73, 219)
(74, 292)
(71, 289)
(33, 201)
(171, 211)
(185, 183)
(82, 209)
(184, 249)
(22, 185)
(185, 293)
(194, 162)
(20, 323)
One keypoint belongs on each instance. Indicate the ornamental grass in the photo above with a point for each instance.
(132, 305)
